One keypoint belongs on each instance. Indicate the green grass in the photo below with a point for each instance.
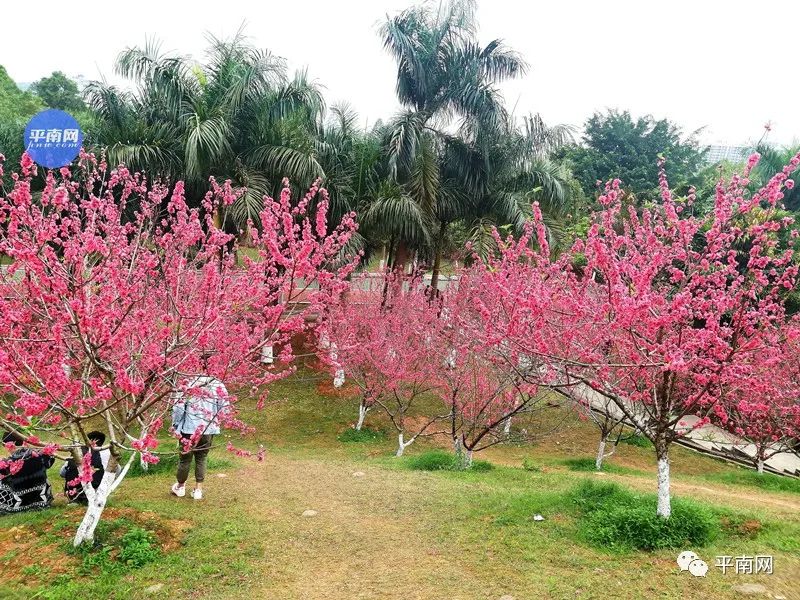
(449, 532)
(363, 435)
(588, 465)
(439, 460)
(764, 481)
(168, 463)
(615, 519)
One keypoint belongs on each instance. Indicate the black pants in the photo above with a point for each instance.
(200, 453)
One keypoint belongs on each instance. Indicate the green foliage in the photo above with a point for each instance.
(363, 435)
(637, 440)
(138, 547)
(439, 460)
(15, 105)
(617, 146)
(59, 91)
(16, 108)
(238, 116)
(764, 481)
(616, 519)
(119, 545)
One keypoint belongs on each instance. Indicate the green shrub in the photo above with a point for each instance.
(531, 466)
(617, 519)
(363, 435)
(637, 440)
(119, 544)
(138, 547)
(439, 460)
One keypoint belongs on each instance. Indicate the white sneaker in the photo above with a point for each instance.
(178, 490)
(197, 494)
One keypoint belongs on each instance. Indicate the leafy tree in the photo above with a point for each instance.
(59, 91)
(238, 117)
(445, 79)
(617, 146)
(16, 105)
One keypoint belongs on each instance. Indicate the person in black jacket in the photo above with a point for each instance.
(24, 487)
(99, 461)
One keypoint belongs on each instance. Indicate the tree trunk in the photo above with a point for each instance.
(338, 378)
(760, 465)
(363, 409)
(507, 427)
(97, 503)
(601, 452)
(437, 260)
(402, 445)
(465, 458)
(400, 258)
(267, 354)
(664, 509)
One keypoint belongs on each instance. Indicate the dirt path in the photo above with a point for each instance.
(366, 541)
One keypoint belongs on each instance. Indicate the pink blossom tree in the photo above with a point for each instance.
(385, 340)
(116, 289)
(764, 409)
(676, 309)
(496, 349)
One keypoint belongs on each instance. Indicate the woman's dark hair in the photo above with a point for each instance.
(98, 437)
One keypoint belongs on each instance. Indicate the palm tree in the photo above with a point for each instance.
(455, 155)
(444, 79)
(773, 159)
(238, 116)
(517, 169)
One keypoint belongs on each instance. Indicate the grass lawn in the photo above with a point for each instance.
(391, 531)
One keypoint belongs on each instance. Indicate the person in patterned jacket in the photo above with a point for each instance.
(23, 479)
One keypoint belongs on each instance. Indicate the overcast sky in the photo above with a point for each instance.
(702, 63)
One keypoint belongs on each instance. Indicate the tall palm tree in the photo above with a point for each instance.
(445, 79)
(455, 154)
(238, 116)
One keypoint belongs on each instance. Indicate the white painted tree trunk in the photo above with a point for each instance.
(267, 354)
(465, 458)
(507, 427)
(338, 378)
(98, 498)
(363, 409)
(94, 510)
(664, 509)
(760, 465)
(601, 453)
(402, 444)
(143, 464)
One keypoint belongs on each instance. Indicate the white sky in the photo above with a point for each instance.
(726, 66)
